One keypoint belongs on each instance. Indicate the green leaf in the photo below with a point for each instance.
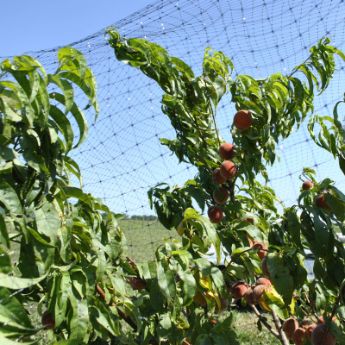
(9, 198)
(189, 286)
(15, 283)
(105, 319)
(4, 238)
(63, 124)
(166, 281)
(12, 312)
(79, 323)
(6, 341)
(62, 291)
(280, 276)
(48, 220)
(73, 67)
(78, 116)
(66, 88)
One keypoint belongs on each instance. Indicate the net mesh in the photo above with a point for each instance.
(122, 157)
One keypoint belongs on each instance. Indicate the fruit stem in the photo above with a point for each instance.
(279, 328)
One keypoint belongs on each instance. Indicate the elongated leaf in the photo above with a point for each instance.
(48, 220)
(78, 116)
(166, 281)
(12, 312)
(66, 88)
(9, 198)
(15, 283)
(79, 324)
(6, 341)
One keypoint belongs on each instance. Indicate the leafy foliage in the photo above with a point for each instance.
(56, 241)
(62, 250)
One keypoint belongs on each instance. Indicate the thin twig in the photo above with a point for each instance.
(278, 325)
(264, 321)
(215, 126)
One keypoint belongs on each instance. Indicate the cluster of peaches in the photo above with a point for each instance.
(227, 170)
(252, 294)
(318, 333)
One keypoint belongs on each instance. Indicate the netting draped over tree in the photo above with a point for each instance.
(122, 157)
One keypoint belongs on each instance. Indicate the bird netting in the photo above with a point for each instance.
(122, 157)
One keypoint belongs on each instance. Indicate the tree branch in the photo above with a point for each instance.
(264, 321)
(278, 325)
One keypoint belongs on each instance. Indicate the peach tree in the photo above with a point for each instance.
(264, 242)
(61, 250)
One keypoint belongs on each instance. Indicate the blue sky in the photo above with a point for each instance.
(41, 24)
(122, 157)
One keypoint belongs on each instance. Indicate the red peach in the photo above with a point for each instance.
(307, 185)
(289, 327)
(217, 177)
(215, 214)
(226, 151)
(228, 170)
(221, 195)
(243, 120)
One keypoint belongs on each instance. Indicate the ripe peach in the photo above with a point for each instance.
(258, 291)
(226, 151)
(243, 120)
(249, 296)
(215, 214)
(309, 329)
(320, 201)
(136, 283)
(217, 177)
(228, 170)
(47, 320)
(263, 281)
(221, 195)
(289, 327)
(322, 335)
(307, 185)
(262, 249)
(239, 289)
(299, 336)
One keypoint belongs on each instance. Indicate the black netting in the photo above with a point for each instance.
(123, 158)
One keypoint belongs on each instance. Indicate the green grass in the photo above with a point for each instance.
(143, 237)
(248, 333)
